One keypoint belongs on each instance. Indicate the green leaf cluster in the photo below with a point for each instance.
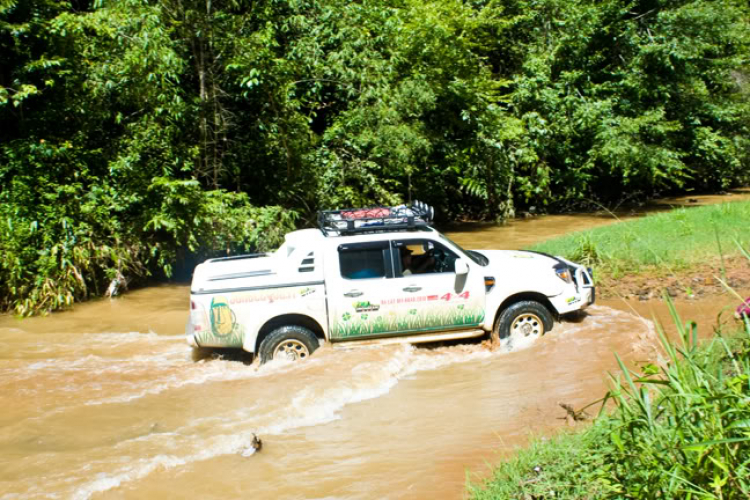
(162, 123)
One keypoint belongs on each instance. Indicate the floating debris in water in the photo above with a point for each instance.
(255, 446)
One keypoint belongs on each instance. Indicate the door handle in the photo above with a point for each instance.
(353, 293)
(412, 289)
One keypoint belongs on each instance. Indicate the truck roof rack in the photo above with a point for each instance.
(347, 221)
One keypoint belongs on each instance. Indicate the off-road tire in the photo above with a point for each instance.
(293, 339)
(536, 315)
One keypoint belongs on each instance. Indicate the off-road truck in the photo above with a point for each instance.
(378, 275)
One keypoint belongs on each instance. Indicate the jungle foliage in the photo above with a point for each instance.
(139, 135)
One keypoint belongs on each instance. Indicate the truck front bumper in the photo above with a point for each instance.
(578, 295)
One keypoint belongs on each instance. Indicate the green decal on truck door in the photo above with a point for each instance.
(405, 315)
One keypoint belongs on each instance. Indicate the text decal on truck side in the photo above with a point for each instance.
(226, 313)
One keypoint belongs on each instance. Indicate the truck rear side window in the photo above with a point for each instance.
(365, 261)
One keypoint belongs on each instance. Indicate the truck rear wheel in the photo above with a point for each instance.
(292, 342)
(523, 320)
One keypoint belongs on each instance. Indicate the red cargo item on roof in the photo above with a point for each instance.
(366, 213)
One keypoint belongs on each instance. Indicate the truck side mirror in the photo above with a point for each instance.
(462, 267)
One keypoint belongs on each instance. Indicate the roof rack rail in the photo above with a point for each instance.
(376, 219)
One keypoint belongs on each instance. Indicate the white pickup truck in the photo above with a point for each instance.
(378, 275)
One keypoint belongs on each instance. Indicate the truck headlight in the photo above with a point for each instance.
(563, 272)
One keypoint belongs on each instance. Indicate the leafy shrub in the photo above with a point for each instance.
(63, 242)
(678, 430)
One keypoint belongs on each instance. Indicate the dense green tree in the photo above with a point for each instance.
(137, 136)
(98, 172)
(637, 97)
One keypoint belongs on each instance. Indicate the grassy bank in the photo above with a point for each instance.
(667, 242)
(678, 430)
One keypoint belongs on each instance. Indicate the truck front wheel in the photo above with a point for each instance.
(527, 319)
(292, 342)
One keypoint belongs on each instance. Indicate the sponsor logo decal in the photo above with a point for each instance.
(408, 314)
(361, 307)
(225, 330)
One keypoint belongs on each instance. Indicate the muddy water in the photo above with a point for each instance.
(107, 401)
(710, 313)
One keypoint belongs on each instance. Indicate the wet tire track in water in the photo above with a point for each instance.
(130, 414)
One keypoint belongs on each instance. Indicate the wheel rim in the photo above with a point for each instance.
(291, 350)
(527, 325)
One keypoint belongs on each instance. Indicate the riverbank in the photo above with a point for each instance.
(678, 424)
(702, 279)
(677, 429)
(687, 252)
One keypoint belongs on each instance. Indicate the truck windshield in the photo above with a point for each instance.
(477, 257)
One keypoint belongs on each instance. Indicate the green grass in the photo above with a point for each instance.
(358, 325)
(679, 430)
(670, 241)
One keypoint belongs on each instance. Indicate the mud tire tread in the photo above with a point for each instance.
(502, 326)
(279, 335)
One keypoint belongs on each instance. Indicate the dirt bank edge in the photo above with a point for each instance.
(697, 281)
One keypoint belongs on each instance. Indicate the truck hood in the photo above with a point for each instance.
(521, 258)
(519, 271)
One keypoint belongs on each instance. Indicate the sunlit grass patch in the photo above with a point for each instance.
(670, 241)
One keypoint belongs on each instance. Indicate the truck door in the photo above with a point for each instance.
(428, 294)
(357, 289)
(377, 295)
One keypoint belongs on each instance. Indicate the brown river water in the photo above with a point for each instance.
(107, 400)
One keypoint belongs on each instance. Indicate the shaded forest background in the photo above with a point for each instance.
(137, 136)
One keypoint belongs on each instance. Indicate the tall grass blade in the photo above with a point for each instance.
(721, 253)
(705, 444)
(634, 393)
(742, 249)
(647, 406)
(681, 328)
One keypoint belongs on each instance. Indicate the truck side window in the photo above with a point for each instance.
(423, 257)
(365, 261)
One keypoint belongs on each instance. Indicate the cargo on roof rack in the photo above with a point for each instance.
(376, 219)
